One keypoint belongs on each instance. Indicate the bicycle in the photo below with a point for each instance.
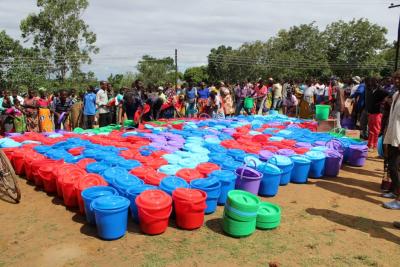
(8, 179)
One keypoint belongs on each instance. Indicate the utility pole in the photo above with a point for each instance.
(396, 62)
(176, 69)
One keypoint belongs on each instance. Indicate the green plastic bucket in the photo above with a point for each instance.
(322, 112)
(268, 216)
(242, 206)
(237, 228)
(248, 102)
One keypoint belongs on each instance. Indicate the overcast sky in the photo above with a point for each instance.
(127, 29)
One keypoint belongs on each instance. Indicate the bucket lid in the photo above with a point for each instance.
(73, 176)
(252, 161)
(154, 199)
(90, 180)
(207, 167)
(170, 183)
(330, 153)
(97, 167)
(172, 158)
(141, 171)
(280, 160)
(269, 169)
(189, 194)
(199, 150)
(206, 183)
(243, 199)
(154, 178)
(315, 155)
(303, 144)
(169, 169)
(223, 175)
(236, 152)
(83, 162)
(113, 173)
(363, 148)
(188, 163)
(129, 164)
(231, 164)
(266, 154)
(286, 152)
(137, 189)
(319, 148)
(268, 212)
(300, 159)
(125, 181)
(183, 154)
(98, 191)
(189, 174)
(110, 203)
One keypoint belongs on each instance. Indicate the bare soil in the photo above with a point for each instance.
(327, 222)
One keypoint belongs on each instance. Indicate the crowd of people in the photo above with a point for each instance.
(370, 105)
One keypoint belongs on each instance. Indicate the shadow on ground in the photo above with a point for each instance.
(372, 227)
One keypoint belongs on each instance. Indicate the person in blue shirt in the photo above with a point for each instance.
(361, 113)
(89, 108)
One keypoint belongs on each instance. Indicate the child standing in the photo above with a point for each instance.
(17, 114)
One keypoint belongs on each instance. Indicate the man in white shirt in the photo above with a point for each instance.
(356, 83)
(101, 102)
(392, 139)
(277, 93)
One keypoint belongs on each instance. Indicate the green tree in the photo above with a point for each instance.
(153, 71)
(221, 62)
(61, 35)
(115, 80)
(196, 74)
(353, 47)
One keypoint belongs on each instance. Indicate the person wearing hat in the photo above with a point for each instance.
(161, 94)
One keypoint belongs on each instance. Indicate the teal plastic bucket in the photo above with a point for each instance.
(301, 168)
(227, 180)
(169, 169)
(91, 193)
(111, 214)
(317, 168)
(285, 164)
(269, 185)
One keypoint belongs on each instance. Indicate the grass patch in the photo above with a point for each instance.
(365, 260)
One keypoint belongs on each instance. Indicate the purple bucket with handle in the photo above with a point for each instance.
(333, 162)
(357, 155)
(248, 179)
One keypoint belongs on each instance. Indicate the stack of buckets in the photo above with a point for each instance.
(244, 212)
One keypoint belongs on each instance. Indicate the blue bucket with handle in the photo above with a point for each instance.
(269, 185)
(301, 168)
(285, 164)
(227, 179)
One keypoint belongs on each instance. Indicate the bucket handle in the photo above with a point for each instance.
(245, 166)
(157, 217)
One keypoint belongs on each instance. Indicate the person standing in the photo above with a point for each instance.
(277, 94)
(101, 102)
(31, 111)
(392, 140)
(130, 105)
(15, 95)
(226, 98)
(45, 116)
(61, 108)
(378, 95)
(89, 108)
(242, 90)
(191, 98)
(339, 103)
(204, 93)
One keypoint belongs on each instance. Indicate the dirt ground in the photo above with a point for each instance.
(327, 222)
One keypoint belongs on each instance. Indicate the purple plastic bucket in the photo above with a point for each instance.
(285, 152)
(265, 155)
(303, 144)
(320, 143)
(333, 163)
(357, 155)
(248, 179)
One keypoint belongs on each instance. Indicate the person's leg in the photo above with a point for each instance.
(90, 119)
(103, 119)
(338, 124)
(364, 124)
(378, 125)
(239, 106)
(371, 121)
(394, 164)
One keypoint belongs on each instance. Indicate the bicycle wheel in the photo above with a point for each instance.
(8, 179)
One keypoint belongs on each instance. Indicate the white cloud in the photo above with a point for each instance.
(127, 29)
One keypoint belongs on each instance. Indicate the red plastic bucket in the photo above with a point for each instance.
(189, 207)
(68, 188)
(9, 153)
(206, 168)
(156, 163)
(142, 171)
(84, 162)
(36, 165)
(89, 180)
(17, 160)
(59, 173)
(28, 160)
(154, 207)
(47, 176)
(76, 151)
(154, 178)
(189, 174)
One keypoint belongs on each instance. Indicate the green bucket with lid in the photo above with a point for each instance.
(268, 216)
(236, 228)
(242, 205)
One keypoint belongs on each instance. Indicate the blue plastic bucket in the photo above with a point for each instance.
(170, 183)
(129, 164)
(97, 167)
(285, 164)
(219, 158)
(301, 168)
(237, 154)
(111, 173)
(317, 163)
(123, 182)
(231, 165)
(269, 185)
(132, 193)
(91, 193)
(227, 180)
(212, 187)
(111, 213)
